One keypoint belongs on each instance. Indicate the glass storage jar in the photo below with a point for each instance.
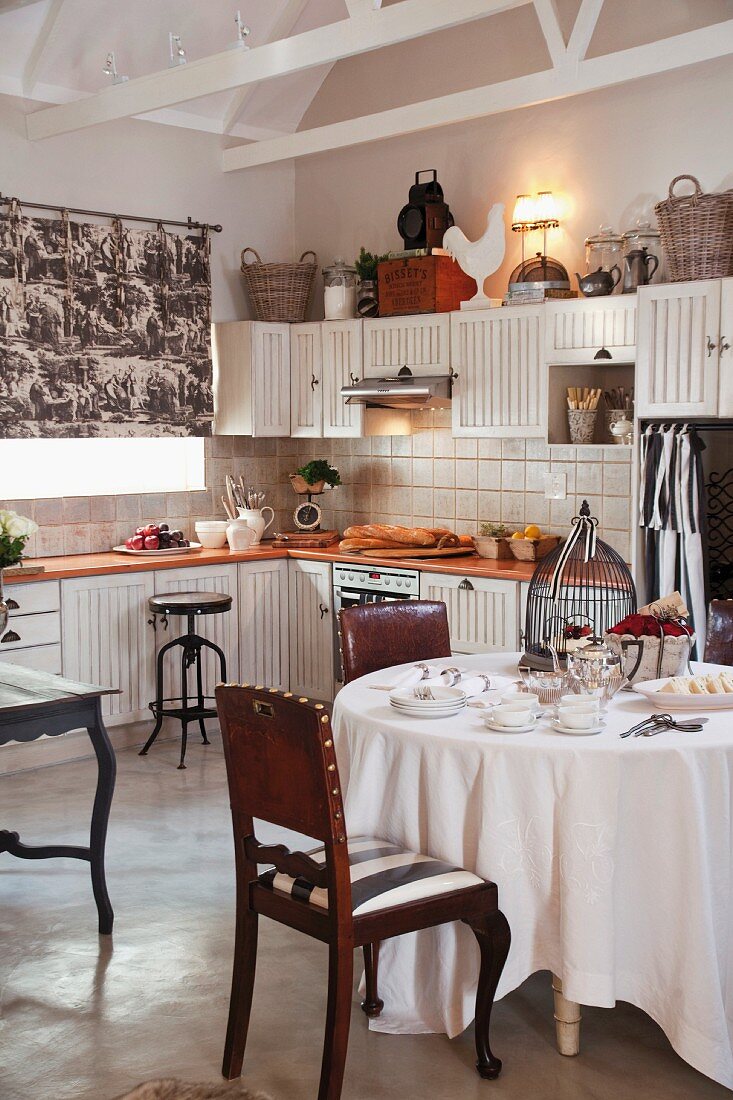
(605, 249)
(339, 291)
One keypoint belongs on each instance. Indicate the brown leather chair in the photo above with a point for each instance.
(379, 635)
(281, 767)
(719, 637)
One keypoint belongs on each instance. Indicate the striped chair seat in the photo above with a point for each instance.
(382, 875)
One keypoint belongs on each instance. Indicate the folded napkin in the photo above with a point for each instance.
(472, 684)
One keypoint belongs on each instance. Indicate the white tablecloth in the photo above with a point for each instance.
(612, 858)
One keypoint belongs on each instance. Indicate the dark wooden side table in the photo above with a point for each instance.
(36, 703)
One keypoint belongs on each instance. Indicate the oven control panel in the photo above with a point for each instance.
(377, 579)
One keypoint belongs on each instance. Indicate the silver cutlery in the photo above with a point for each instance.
(657, 723)
(423, 692)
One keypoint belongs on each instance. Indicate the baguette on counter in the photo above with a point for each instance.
(386, 536)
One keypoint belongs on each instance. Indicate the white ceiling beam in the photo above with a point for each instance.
(40, 46)
(550, 24)
(524, 91)
(585, 24)
(281, 28)
(235, 68)
(357, 7)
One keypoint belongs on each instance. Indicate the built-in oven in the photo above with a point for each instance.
(356, 584)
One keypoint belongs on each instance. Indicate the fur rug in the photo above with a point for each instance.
(180, 1090)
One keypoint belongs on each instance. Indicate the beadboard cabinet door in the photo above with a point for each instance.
(500, 375)
(483, 614)
(311, 629)
(725, 350)
(106, 640)
(576, 330)
(306, 381)
(343, 365)
(251, 378)
(222, 629)
(678, 351)
(421, 343)
(263, 623)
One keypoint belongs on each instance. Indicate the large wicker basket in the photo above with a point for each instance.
(279, 292)
(697, 233)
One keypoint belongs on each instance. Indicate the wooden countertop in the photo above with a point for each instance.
(65, 567)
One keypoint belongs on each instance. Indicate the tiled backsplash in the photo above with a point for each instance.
(428, 478)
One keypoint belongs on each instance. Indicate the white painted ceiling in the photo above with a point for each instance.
(65, 62)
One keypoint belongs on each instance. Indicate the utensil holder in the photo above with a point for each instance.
(582, 425)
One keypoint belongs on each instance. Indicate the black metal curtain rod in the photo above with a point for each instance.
(699, 425)
(189, 224)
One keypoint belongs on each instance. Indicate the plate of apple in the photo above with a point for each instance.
(157, 538)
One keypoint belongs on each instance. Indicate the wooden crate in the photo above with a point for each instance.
(422, 284)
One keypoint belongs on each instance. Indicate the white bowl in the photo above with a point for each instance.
(577, 718)
(512, 714)
(212, 534)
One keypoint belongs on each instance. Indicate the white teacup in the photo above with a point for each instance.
(577, 718)
(580, 701)
(512, 715)
(521, 698)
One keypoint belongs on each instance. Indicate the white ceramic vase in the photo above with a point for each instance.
(240, 535)
(256, 520)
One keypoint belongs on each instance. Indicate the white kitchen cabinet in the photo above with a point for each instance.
(678, 352)
(311, 629)
(343, 365)
(222, 630)
(483, 614)
(500, 376)
(106, 639)
(263, 623)
(421, 343)
(576, 330)
(306, 381)
(33, 635)
(323, 358)
(251, 378)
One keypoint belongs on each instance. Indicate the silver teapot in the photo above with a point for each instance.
(595, 669)
(599, 283)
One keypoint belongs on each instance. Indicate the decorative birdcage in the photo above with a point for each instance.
(577, 591)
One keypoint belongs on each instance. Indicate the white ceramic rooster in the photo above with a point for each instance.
(480, 258)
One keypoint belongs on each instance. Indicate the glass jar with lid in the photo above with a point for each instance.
(605, 250)
(644, 235)
(339, 291)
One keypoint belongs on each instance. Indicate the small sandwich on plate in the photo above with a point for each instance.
(712, 684)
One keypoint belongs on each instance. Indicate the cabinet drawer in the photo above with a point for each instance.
(420, 343)
(42, 658)
(483, 614)
(43, 629)
(30, 599)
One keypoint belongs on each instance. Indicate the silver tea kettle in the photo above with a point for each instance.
(596, 669)
(637, 271)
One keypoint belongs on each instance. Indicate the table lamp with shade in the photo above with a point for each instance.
(542, 272)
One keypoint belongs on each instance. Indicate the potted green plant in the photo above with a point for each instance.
(367, 297)
(15, 531)
(492, 541)
(314, 476)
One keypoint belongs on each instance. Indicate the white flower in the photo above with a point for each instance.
(19, 527)
(5, 517)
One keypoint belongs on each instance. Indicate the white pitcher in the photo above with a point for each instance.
(256, 520)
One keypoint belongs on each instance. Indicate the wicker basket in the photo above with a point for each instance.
(697, 233)
(279, 292)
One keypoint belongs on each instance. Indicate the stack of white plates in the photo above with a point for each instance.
(445, 702)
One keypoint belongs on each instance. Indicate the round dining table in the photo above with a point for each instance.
(612, 856)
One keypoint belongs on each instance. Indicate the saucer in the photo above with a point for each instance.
(554, 722)
(498, 728)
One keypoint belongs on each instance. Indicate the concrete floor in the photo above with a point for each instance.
(85, 1018)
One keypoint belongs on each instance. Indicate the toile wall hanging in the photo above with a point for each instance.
(104, 330)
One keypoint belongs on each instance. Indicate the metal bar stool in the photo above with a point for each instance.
(189, 604)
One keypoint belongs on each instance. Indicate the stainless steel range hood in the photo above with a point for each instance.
(403, 391)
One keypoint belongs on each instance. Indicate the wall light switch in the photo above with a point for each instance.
(555, 486)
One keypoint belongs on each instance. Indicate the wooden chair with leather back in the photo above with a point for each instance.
(719, 636)
(281, 768)
(378, 635)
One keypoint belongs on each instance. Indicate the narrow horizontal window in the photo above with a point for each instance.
(95, 467)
